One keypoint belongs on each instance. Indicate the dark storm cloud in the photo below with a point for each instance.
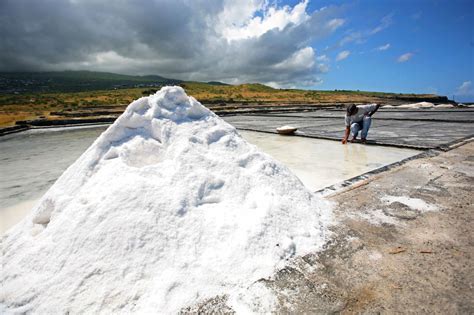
(181, 39)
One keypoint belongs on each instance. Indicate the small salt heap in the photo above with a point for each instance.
(168, 207)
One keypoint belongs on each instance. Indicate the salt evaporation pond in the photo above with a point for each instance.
(33, 160)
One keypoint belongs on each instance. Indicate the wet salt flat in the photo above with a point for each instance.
(320, 163)
(417, 129)
(33, 160)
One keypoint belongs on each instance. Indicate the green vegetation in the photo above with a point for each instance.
(55, 95)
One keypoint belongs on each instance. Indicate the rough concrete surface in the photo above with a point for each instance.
(403, 243)
(389, 257)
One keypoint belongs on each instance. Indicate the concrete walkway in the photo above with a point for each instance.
(402, 245)
(420, 129)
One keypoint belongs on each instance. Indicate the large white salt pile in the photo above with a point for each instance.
(420, 105)
(444, 106)
(168, 207)
(417, 105)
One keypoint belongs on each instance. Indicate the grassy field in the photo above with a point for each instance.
(99, 103)
(262, 93)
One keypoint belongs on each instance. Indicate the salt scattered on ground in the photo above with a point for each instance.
(420, 105)
(167, 208)
(413, 203)
(375, 217)
(417, 105)
(444, 106)
(257, 298)
(375, 255)
(395, 215)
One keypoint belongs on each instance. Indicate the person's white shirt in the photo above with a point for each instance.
(362, 110)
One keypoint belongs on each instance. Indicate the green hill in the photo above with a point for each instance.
(74, 81)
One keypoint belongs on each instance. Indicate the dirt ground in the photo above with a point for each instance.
(394, 255)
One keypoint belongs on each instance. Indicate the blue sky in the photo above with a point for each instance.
(404, 46)
(437, 35)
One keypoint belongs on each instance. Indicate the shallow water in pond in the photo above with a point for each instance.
(31, 161)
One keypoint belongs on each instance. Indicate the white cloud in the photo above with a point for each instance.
(322, 58)
(343, 55)
(357, 37)
(465, 88)
(384, 47)
(237, 23)
(335, 24)
(310, 83)
(384, 23)
(179, 39)
(360, 37)
(300, 60)
(323, 68)
(405, 57)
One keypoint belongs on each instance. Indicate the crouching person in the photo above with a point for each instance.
(358, 119)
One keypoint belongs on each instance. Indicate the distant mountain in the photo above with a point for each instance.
(216, 83)
(75, 81)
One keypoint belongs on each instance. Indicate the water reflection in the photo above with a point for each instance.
(355, 158)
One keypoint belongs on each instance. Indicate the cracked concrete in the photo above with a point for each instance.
(421, 262)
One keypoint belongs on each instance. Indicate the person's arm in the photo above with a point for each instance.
(377, 106)
(347, 122)
(346, 135)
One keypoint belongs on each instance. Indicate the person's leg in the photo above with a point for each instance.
(365, 127)
(355, 128)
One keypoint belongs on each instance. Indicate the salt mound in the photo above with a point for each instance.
(418, 105)
(168, 207)
(444, 106)
(422, 105)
